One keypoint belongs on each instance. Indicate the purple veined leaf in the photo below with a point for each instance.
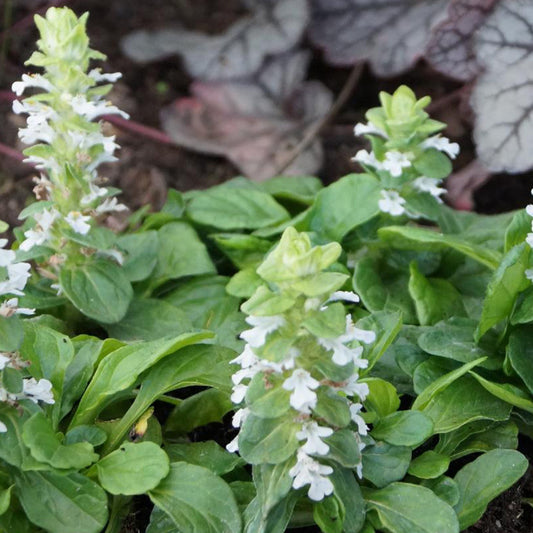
(451, 47)
(273, 27)
(503, 95)
(391, 34)
(254, 124)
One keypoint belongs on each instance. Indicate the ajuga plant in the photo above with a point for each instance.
(335, 367)
(408, 153)
(62, 233)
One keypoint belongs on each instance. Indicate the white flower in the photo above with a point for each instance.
(342, 354)
(429, 185)
(263, 325)
(10, 307)
(40, 233)
(355, 409)
(391, 202)
(38, 129)
(93, 109)
(6, 256)
(245, 373)
(529, 239)
(33, 80)
(78, 222)
(233, 446)
(346, 296)
(529, 210)
(395, 162)
(3, 427)
(442, 144)
(94, 193)
(110, 205)
(352, 387)
(303, 398)
(97, 75)
(368, 129)
(239, 392)
(365, 158)
(307, 471)
(4, 360)
(311, 432)
(239, 417)
(247, 358)
(38, 391)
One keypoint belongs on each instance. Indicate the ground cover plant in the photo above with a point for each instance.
(366, 347)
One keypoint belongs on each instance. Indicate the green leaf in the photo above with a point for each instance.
(243, 251)
(302, 189)
(502, 435)
(328, 514)
(441, 383)
(435, 299)
(520, 354)
(235, 209)
(382, 289)
(266, 398)
(382, 397)
(454, 339)
(348, 492)
(384, 463)
(523, 312)
(5, 499)
(506, 392)
(120, 370)
(244, 283)
(140, 254)
(344, 205)
(406, 508)
(160, 522)
(416, 238)
(181, 253)
(403, 428)
(480, 481)
(327, 323)
(344, 448)
(429, 465)
(91, 434)
(150, 319)
(463, 401)
(207, 454)
(197, 500)
(11, 333)
(386, 325)
(62, 503)
(12, 380)
(39, 436)
(517, 230)
(99, 289)
(133, 468)
(201, 364)
(444, 487)
(433, 164)
(202, 408)
(263, 440)
(507, 281)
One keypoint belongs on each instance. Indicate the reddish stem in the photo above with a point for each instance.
(140, 129)
(11, 152)
(7, 96)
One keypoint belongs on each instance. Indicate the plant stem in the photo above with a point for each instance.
(119, 509)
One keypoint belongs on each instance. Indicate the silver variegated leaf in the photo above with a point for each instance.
(451, 47)
(255, 124)
(503, 96)
(391, 34)
(273, 27)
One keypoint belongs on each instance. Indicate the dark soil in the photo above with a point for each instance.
(147, 168)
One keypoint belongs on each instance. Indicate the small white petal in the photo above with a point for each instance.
(391, 202)
(442, 144)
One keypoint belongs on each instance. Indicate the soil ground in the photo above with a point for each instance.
(147, 168)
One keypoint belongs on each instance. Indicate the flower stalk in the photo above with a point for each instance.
(299, 370)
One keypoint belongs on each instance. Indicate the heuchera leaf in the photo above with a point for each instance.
(503, 93)
(274, 27)
(391, 35)
(451, 47)
(255, 123)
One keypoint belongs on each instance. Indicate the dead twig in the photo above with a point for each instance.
(314, 129)
(11, 152)
(140, 129)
